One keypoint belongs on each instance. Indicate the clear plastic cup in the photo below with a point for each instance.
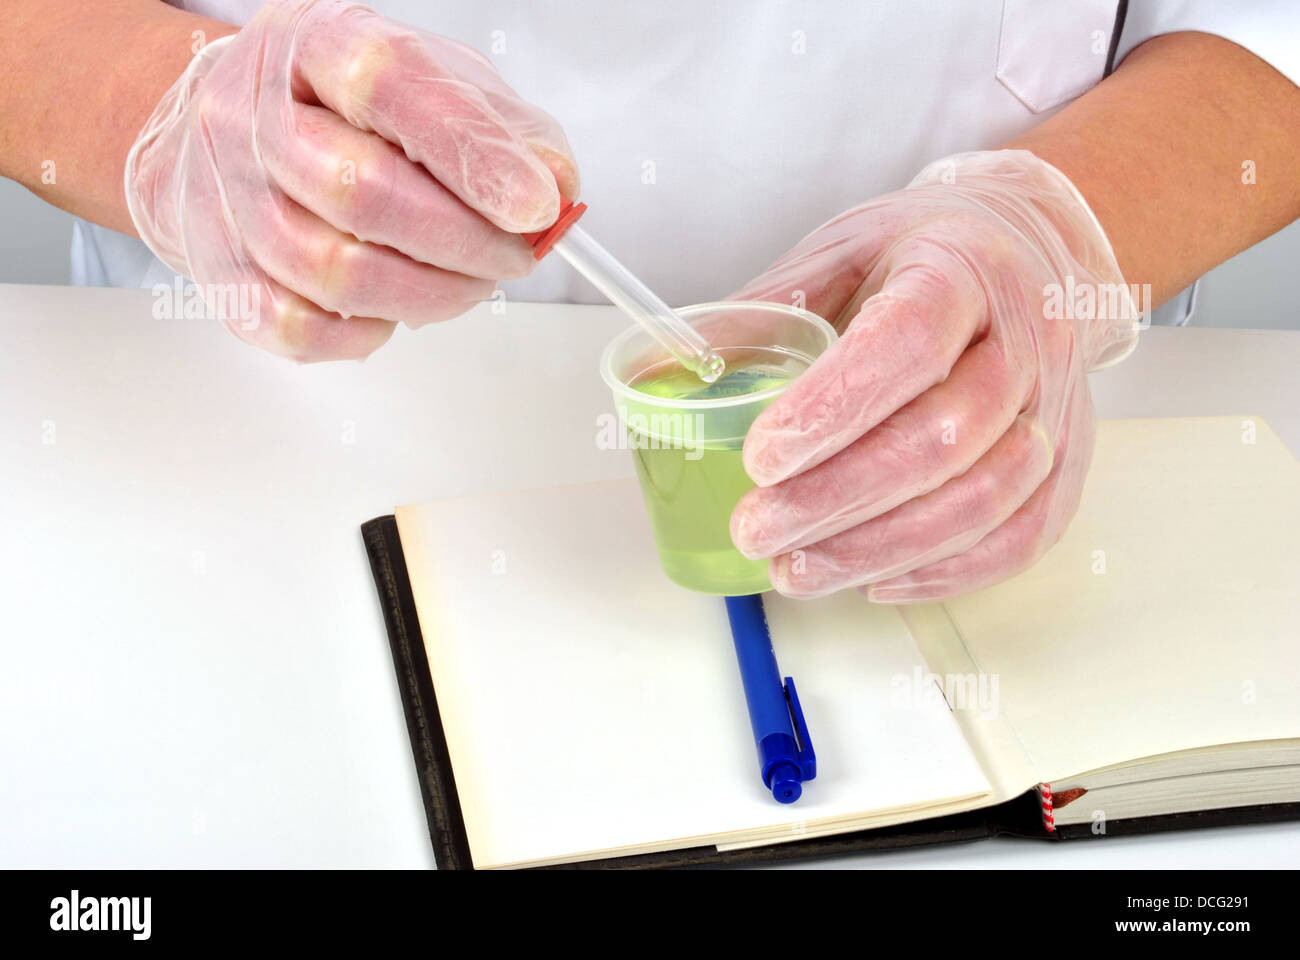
(686, 436)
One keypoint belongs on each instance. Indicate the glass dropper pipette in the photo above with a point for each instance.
(621, 287)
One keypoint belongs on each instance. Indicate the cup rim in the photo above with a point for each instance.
(714, 403)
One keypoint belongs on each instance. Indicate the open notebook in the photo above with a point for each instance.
(1147, 668)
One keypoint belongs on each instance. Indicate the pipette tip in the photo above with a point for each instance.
(711, 367)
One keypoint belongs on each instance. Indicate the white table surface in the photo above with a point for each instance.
(195, 671)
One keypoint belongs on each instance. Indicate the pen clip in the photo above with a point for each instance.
(806, 759)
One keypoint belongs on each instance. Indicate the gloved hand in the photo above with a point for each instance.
(941, 444)
(352, 171)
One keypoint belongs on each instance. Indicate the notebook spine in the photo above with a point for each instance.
(1045, 806)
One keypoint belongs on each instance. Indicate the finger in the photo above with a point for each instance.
(363, 185)
(381, 77)
(904, 341)
(937, 436)
(940, 524)
(289, 326)
(1023, 538)
(346, 276)
(533, 125)
(562, 166)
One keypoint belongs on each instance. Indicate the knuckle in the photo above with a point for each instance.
(369, 56)
(975, 497)
(798, 577)
(339, 258)
(1042, 457)
(290, 323)
(1032, 452)
(368, 191)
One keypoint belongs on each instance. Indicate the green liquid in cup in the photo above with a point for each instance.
(690, 492)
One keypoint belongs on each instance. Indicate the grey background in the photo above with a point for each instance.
(1258, 288)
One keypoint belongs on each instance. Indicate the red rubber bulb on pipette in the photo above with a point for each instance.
(543, 240)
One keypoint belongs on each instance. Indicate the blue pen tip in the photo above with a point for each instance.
(786, 785)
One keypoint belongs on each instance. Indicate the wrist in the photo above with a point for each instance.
(153, 159)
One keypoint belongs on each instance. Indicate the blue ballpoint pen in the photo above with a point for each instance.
(785, 751)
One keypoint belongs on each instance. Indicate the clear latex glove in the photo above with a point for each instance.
(351, 171)
(941, 444)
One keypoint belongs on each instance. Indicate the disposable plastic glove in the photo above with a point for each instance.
(941, 444)
(353, 171)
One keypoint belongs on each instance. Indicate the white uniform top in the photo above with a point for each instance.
(713, 134)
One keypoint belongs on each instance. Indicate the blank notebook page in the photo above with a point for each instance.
(1168, 617)
(593, 708)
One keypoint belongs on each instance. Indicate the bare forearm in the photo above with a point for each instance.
(80, 79)
(1187, 154)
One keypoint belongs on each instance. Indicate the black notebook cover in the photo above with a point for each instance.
(1021, 817)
